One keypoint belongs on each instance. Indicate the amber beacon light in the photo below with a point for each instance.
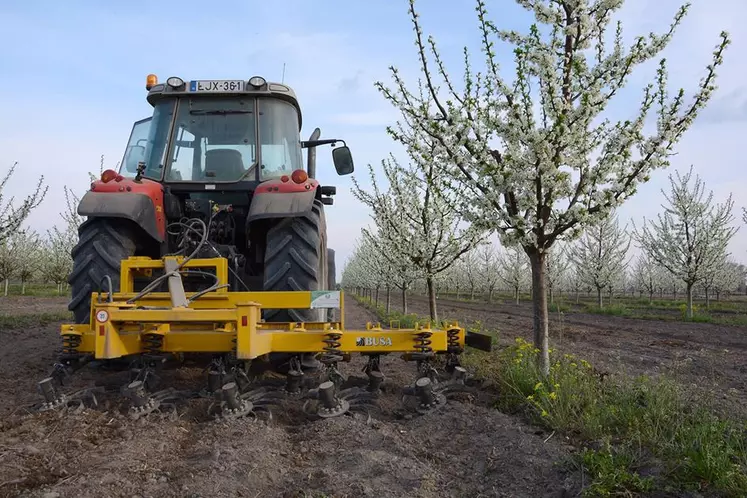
(150, 81)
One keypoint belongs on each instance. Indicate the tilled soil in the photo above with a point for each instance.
(709, 357)
(465, 449)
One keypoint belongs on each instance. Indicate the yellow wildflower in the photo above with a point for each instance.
(538, 386)
(544, 413)
(530, 397)
(574, 365)
(553, 395)
(556, 386)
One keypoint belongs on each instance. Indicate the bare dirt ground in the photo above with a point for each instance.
(709, 357)
(468, 449)
(24, 305)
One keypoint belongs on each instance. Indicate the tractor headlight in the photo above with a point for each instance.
(175, 82)
(257, 81)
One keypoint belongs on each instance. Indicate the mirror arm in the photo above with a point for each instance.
(315, 143)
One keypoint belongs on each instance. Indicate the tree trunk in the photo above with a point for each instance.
(689, 300)
(599, 297)
(718, 295)
(6, 287)
(432, 298)
(707, 298)
(577, 295)
(539, 306)
(457, 292)
(377, 295)
(552, 289)
(516, 294)
(404, 300)
(388, 299)
(650, 297)
(472, 293)
(490, 295)
(23, 287)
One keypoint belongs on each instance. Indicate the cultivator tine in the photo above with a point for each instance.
(326, 402)
(428, 398)
(294, 383)
(375, 380)
(143, 402)
(429, 394)
(55, 399)
(373, 372)
(234, 404)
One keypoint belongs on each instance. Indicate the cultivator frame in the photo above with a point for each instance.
(149, 325)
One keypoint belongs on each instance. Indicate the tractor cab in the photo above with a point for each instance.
(222, 132)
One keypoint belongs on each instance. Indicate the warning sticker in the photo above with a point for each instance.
(325, 299)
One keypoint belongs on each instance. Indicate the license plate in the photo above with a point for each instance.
(216, 86)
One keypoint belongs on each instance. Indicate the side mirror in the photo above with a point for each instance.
(343, 160)
(135, 155)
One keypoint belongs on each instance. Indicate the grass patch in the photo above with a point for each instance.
(644, 313)
(9, 321)
(558, 308)
(626, 424)
(638, 435)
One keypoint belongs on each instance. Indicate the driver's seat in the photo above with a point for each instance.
(224, 164)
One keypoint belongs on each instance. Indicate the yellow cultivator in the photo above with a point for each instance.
(149, 327)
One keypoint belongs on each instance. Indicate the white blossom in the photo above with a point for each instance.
(690, 238)
(12, 216)
(646, 276)
(531, 158)
(514, 269)
(417, 220)
(57, 263)
(27, 245)
(557, 265)
(600, 255)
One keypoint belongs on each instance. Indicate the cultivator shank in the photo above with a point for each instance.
(153, 327)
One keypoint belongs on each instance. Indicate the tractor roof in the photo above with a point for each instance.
(255, 86)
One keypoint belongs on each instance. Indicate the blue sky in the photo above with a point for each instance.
(73, 76)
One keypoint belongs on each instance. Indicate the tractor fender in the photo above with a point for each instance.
(137, 207)
(278, 199)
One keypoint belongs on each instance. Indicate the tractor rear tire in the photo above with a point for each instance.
(295, 260)
(102, 244)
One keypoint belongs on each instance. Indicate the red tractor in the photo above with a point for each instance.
(218, 165)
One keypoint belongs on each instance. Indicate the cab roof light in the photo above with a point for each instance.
(257, 81)
(175, 82)
(108, 175)
(299, 176)
(150, 81)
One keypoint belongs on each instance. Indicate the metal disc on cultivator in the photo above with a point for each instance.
(233, 404)
(143, 402)
(429, 394)
(327, 402)
(55, 400)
